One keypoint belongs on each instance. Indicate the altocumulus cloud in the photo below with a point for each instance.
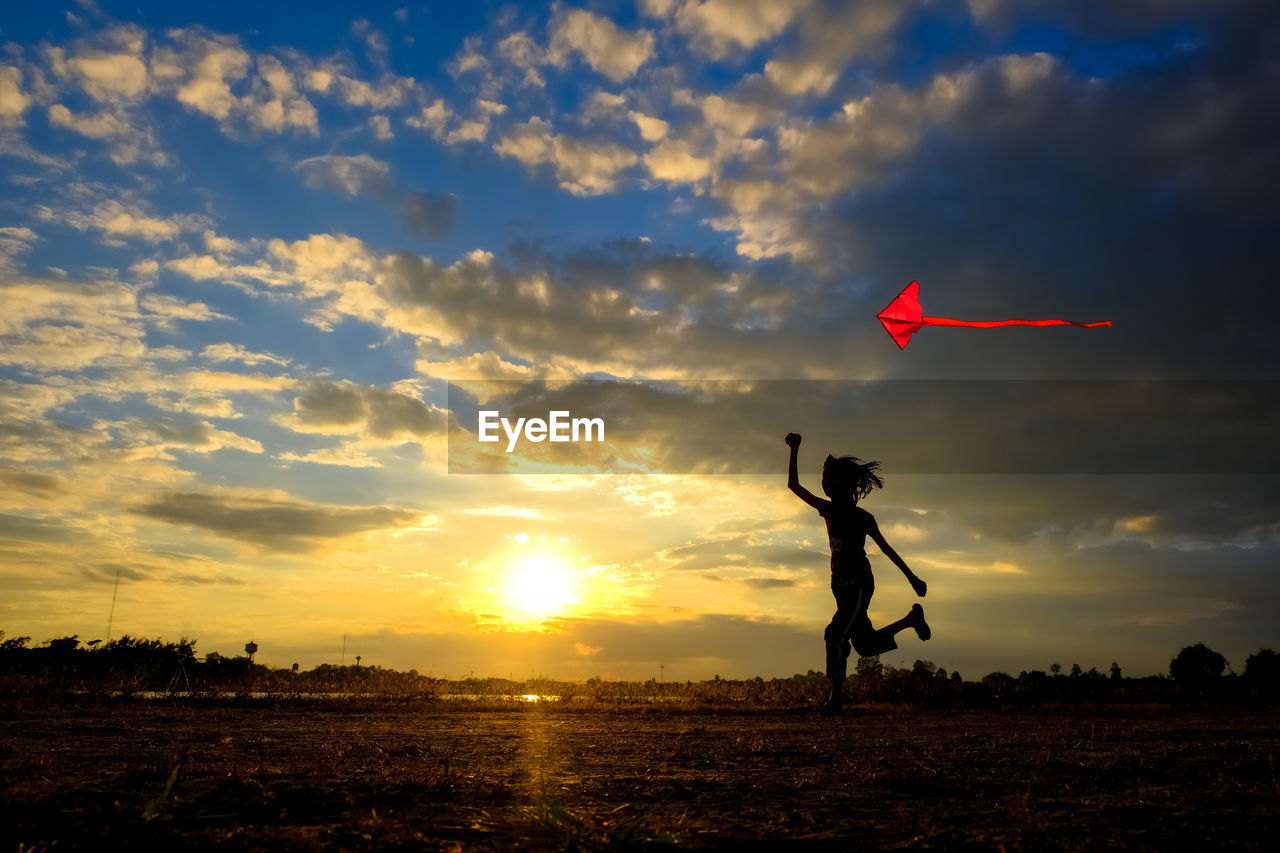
(275, 523)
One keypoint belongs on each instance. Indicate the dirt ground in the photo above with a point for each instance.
(457, 776)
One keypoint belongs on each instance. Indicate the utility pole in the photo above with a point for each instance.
(112, 615)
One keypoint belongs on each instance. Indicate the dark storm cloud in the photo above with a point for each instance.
(1146, 198)
(275, 524)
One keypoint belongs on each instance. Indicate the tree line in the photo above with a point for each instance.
(129, 664)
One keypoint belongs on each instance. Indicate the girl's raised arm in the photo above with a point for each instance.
(793, 476)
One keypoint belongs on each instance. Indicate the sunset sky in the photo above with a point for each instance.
(244, 247)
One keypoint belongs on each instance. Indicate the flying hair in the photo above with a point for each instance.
(850, 475)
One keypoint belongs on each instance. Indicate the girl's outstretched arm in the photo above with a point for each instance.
(876, 536)
(793, 476)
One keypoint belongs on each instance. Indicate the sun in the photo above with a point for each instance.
(540, 586)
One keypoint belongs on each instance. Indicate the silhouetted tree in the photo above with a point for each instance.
(1001, 684)
(13, 644)
(1115, 671)
(1196, 668)
(869, 667)
(1262, 674)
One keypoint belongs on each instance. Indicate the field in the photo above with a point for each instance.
(90, 775)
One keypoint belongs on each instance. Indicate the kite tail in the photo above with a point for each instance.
(991, 324)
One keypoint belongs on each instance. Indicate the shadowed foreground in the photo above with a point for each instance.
(450, 776)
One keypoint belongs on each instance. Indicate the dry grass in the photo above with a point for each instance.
(501, 776)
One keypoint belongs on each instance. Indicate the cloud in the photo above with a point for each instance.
(335, 268)
(24, 401)
(163, 309)
(35, 529)
(274, 522)
(51, 325)
(651, 129)
(376, 413)
(236, 352)
(449, 127)
(717, 27)
(110, 76)
(626, 308)
(321, 261)
(428, 215)
(278, 105)
(390, 91)
(32, 485)
(769, 583)
(375, 43)
(117, 220)
(349, 175)
(422, 214)
(155, 437)
(129, 143)
(207, 68)
(14, 240)
(582, 168)
(672, 161)
(615, 53)
(346, 456)
(433, 118)
(381, 127)
(13, 101)
(469, 58)
(489, 365)
(520, 50)
(831, 39)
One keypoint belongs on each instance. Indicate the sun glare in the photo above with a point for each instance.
(540, 586)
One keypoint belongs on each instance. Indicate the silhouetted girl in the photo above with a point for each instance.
(846, 480)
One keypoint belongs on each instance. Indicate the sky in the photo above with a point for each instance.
(262, 264)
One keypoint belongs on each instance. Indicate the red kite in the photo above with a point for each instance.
(904, 316)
